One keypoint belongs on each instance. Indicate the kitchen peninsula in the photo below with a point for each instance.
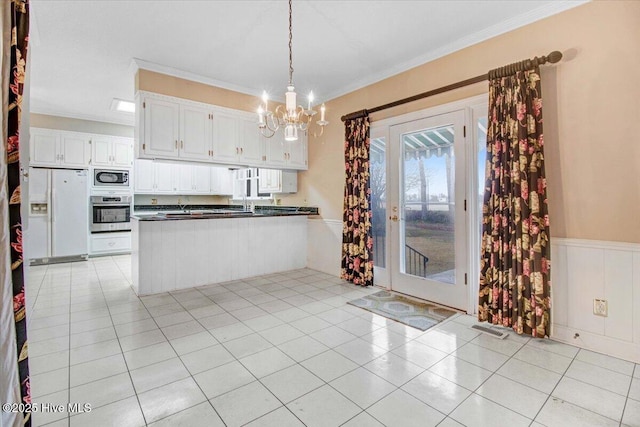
(174, 250)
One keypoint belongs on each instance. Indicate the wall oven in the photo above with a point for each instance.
(111, 178)
(110, 213)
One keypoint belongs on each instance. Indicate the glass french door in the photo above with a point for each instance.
(425, 209)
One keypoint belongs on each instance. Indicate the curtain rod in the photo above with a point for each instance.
(526, 64)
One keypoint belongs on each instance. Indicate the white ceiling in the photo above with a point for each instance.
(82, 51)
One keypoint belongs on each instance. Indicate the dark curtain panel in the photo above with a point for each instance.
(19, 41)
(357, 241)
(515, 275)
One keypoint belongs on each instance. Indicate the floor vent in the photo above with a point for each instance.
(490, 331)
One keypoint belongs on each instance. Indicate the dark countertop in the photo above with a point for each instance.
(171, 212)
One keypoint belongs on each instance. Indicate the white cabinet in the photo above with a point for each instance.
(109, 151)
(156, 177)
(250, 141)
(161, 128)
(225, 138)
(286, 154)
(201, 179)
(195, 133)
(171, 129)
(269, 180)
(236, 139)
(192, 179)
(59, 149)
(165, 181)
(221, 180)
(297, 152)
(107, 243)
(277, 181)
(144, 181)
(44, 148)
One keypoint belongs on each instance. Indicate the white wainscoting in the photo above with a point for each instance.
(324, 245)
(583, 270)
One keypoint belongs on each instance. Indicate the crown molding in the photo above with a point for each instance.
(137, 64)
(461, 43)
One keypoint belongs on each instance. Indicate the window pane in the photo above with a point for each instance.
(378, 182)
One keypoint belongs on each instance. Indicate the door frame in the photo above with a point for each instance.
(472, 107)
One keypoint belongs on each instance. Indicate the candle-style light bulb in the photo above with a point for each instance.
(265, 99)
(322, 110)
(310, 100)
(260, 115)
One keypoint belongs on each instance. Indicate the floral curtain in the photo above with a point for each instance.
(17, 46)
(515, 265)
(357, 241)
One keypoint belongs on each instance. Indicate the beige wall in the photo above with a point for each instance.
(590, 108)
(77, 125)
(174, 86)
(591, 112)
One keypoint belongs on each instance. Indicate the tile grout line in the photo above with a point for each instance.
(144, 418)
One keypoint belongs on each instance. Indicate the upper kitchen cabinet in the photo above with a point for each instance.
(161, 130)
(109, 151)
(52, 148)
(283, 154)
(195, 133)
(170, 129)
(236, 139)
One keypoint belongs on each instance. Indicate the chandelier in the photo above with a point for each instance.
(291, 117)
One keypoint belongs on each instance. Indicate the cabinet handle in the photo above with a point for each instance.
(241, 150)
(237, 151)
(181, 144)
(176, 144)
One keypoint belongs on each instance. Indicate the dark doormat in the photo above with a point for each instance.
(417, 314)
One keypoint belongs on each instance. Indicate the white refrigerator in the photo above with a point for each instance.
(58, 214)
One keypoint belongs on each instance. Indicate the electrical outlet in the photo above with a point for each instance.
(154, 201)
(600, 307)
(179, 200)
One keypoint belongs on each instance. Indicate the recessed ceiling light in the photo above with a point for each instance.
(123, 106)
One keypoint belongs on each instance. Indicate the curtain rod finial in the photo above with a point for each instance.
(554, 57)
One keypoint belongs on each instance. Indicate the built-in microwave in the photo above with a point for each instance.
(110, 178)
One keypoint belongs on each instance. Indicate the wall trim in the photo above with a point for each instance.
(599, 244)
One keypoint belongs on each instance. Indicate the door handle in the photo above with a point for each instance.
(394, 218)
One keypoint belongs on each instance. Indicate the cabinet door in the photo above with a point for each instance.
(161, 131)
(122, 153)
(201, 179)
(144, 177)
(101, 149)
(164, 178)
(297, 157)
(250, 142)
(269, 180)
(276, 150)
(183, 172)
(75, 150)
(195, 133)
(44, 148)
(225, 138)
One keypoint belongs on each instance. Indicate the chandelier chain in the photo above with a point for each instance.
(290, 45)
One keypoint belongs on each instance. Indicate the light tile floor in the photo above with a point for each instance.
(286, 350)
